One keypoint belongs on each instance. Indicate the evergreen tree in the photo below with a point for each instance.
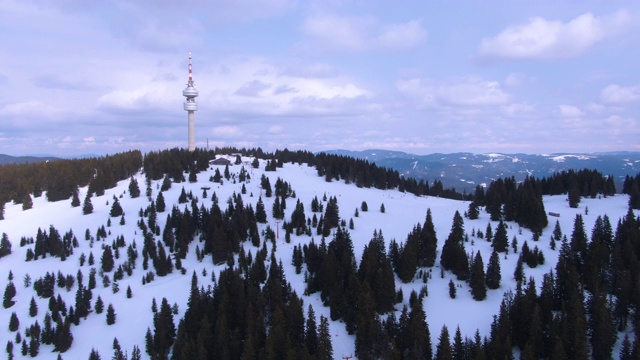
(5, 245)
(452, 289)
(107, 259)
(14, 323)
(443, 350)
(325, 347)
(473, 212)
(94, 355)
(116, 209)
(494, 276)
(311, 332)
(9, 293)
(75, 198)
(111, 315)
(33, 307)
(477, 281)
(501, 239)
(87, 206)
(134, 189)
(261, 214)
(27, 202)
(160, 203)
(602, 329)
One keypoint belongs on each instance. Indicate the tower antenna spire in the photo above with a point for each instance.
(190, 106)
(190, 71)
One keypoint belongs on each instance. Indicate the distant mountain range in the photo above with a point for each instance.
(466, 170)
(8, 159)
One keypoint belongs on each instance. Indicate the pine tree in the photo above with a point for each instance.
(134, 189)
(452, 289)
(27, 202)
(261, 215)
(116, 209)
(75, 198)
(325, 347)
(494, 276)
(87, 206)
(5, 245)
(9, 293)
(33, 307)
(99, 305)
(111, 315)
(14, 323)
(160, 203)
(107, 259)
(477, 281)
(443, 350)
(501, 239)
(94, 355)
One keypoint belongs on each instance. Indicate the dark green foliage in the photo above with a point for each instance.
(493, 276)
(9, 293)
(87, 206)
(509, 201)
(33, 307)
(99, 306)
(61, 177)
(14, 323)
(164, 329)
(116, 209)
(27, 202)
(364, 207)
(453, 255)
(452, 289)
(375, 270)
(111, 315)
(443, 349)
(501, 239)
(261, 214)
(107, 259)
(5, 245)
(473, 212)
(477, 280)
(94, 355)
(134, 189)
(75, 198)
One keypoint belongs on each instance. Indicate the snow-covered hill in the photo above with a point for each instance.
(134, 315)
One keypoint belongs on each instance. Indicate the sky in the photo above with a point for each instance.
(79, 77)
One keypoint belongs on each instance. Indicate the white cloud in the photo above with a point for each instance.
(361, 33)
(226, 131)
(402, 36)
(518, 109)
(549, 39)
(570, 111)
(470, 91)
(518, 79)
(616, 94)
(275, 129)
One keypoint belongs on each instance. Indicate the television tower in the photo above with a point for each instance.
(190, 106)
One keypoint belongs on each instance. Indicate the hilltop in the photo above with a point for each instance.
(391, 216)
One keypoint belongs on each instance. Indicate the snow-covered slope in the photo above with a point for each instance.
(134, 315)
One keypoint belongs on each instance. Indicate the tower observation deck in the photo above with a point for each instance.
(190, 106)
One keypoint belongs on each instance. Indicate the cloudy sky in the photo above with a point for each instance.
(91, 77)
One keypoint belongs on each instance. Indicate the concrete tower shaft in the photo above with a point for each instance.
(190, 106)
